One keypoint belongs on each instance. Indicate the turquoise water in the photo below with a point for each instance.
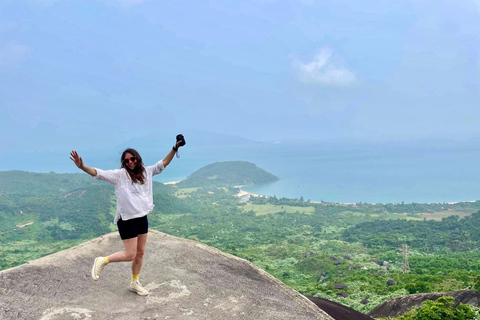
(380, 173)
(420, 172)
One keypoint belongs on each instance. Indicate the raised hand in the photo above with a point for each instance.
(180, 140)
(76, 159)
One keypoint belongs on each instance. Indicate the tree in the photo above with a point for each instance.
(442, 308)
(476, 284)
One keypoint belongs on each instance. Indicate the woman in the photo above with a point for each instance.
(133, 191)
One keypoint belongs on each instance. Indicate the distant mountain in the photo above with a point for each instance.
(228, 173)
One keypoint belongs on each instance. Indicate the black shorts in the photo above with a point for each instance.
(132, 228)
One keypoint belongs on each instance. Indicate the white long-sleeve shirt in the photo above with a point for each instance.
(134, 200)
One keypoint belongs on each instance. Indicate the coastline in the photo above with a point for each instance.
(244, 194)
(171, 182)
(240, 194)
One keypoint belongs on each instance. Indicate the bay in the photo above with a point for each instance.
(344, 172)
(374, 173)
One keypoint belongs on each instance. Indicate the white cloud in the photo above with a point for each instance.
(323, 72)
(12, 54)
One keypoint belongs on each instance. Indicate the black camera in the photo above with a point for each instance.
(181, 138)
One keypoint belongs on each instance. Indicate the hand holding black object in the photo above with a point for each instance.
(181, 139)
(180, 143)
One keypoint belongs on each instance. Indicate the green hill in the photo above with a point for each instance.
(228, 173)
(41, 213)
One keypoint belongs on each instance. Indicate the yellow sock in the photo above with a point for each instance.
(135, 276)
(106, 260)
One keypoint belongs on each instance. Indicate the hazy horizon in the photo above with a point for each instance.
(77, 74)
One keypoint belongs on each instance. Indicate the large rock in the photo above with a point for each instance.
(337, 310)
(186, 279)
(339, 286)
(391, 283)
(400, 305)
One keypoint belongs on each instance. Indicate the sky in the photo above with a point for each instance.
(76, 73)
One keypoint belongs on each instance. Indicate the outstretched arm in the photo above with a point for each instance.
(79, 163)
(169, 156)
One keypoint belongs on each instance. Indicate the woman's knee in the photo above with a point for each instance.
(130, 255)
(139, 254)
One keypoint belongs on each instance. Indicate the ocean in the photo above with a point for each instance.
(381, 172)
(373, 173)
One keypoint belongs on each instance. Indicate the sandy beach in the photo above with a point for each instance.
(171, 182)
(243, 193)
(240, 194)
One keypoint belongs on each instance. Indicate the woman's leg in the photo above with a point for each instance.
(135, 285)
(130, 251)
(127, 255)
(140, 251)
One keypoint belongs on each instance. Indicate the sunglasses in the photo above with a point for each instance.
(128, 160)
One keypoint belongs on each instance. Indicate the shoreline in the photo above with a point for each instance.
(171, 182)
(243, 193)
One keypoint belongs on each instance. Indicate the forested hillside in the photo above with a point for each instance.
(228, 173)
(43, 213)
(451, 234)
(348, 253)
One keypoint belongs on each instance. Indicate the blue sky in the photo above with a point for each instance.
(92, 73)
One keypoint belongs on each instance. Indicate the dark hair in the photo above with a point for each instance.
(137, 174)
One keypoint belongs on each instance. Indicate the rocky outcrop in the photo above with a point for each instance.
(339, 286)
(400, 305)
(186, 280)
(391, 283)
(338, 311)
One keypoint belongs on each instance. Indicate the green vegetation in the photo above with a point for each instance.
(442, 308)
(261, 209)
(312, 247)
(451, 234)
(228, 173)
(44, 213)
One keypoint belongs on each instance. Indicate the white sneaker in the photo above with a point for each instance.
(98, 266)
(135, 286)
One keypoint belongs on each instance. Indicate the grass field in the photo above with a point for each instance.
(443, 214)
(384, 215)
(184, 192)
(263, 209)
